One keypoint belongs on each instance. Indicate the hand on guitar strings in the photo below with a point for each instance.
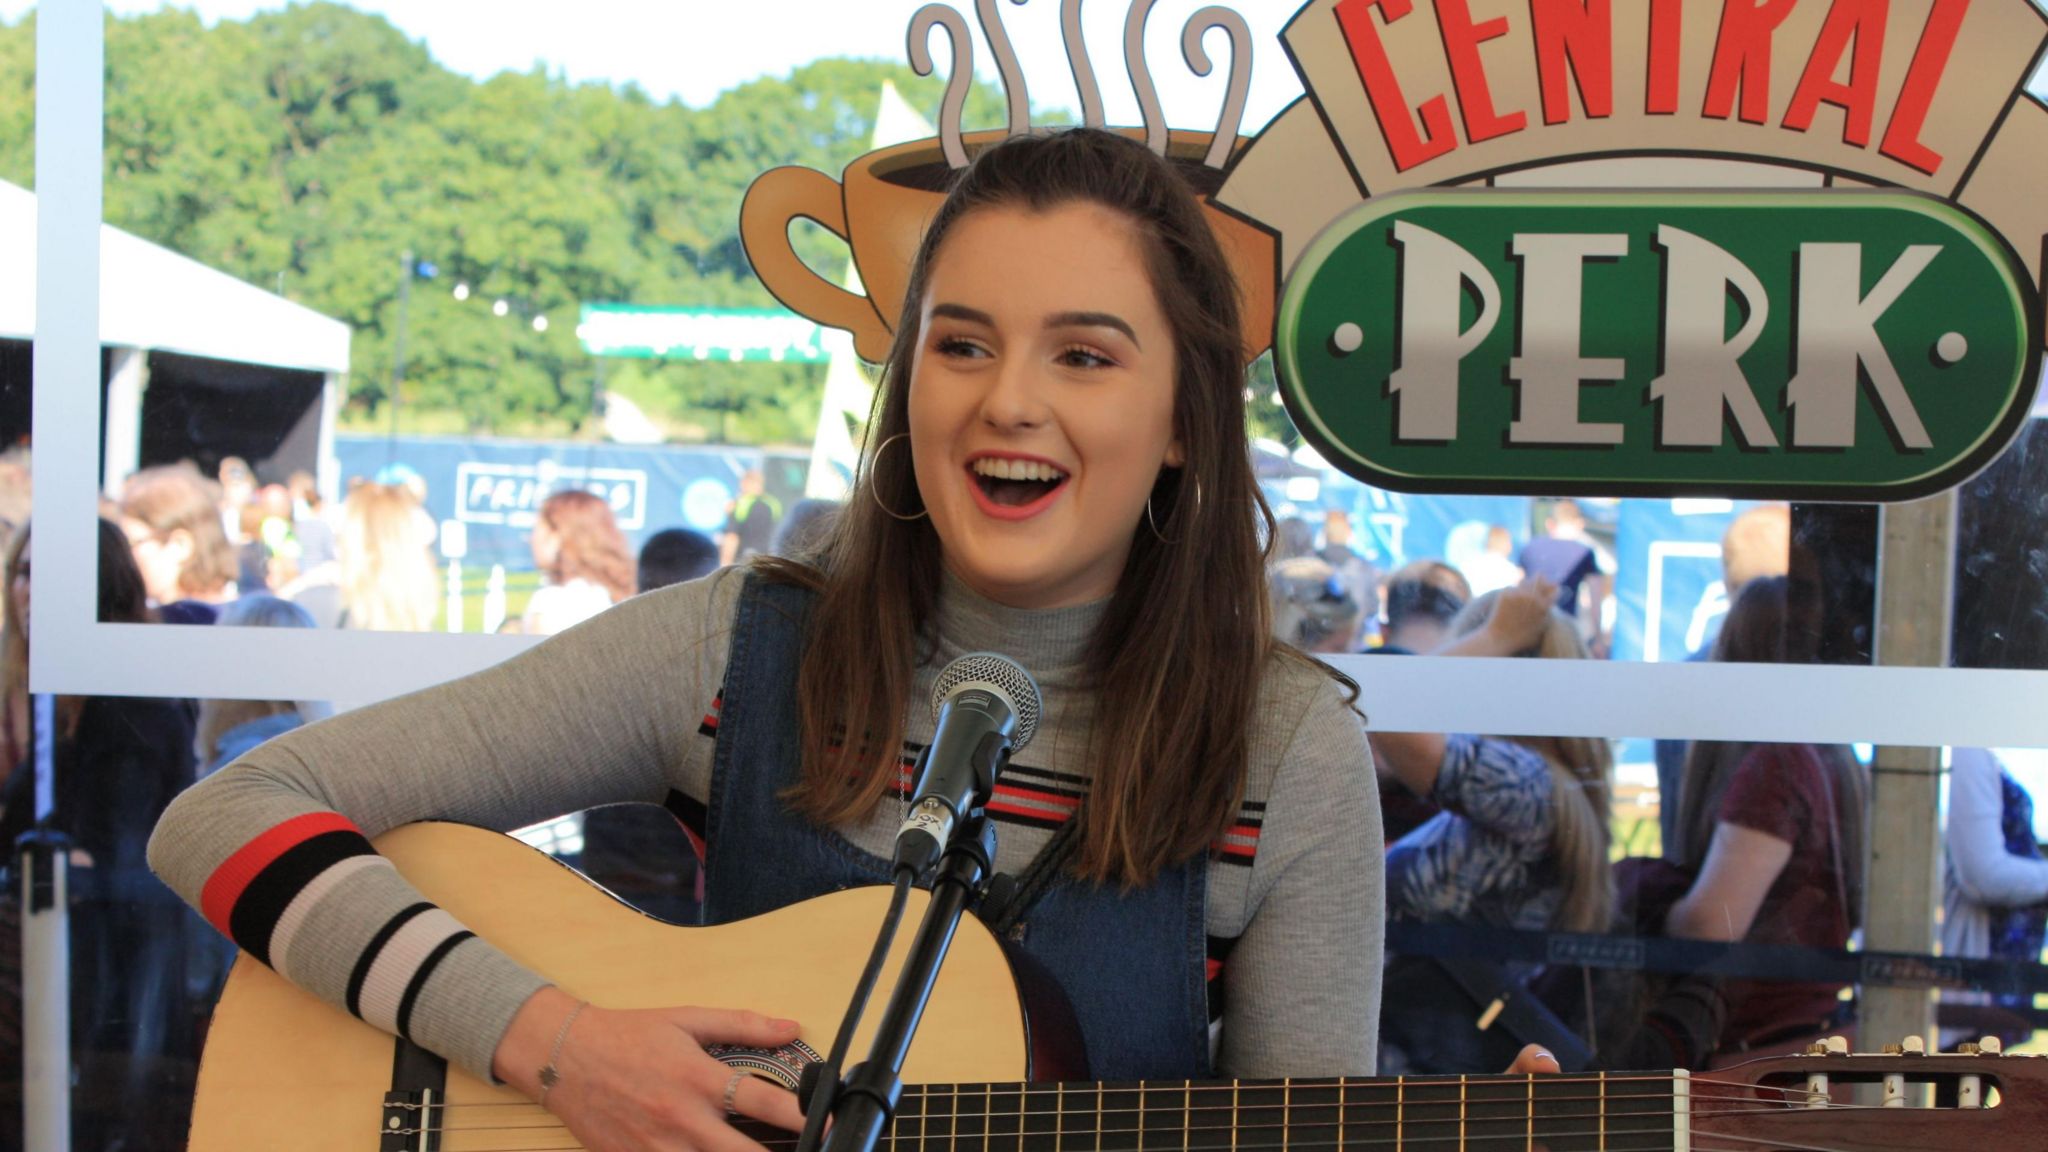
(639, 1080)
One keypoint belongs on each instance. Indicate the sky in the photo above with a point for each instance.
(695, 49)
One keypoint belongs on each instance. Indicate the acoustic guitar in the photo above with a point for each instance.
(283, 1070)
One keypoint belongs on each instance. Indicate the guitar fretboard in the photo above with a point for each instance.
(1594, 1113)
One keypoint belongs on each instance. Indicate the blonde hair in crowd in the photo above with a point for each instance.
(1580, 772)
(388, 582)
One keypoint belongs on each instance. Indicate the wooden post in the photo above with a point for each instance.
(1916, 569)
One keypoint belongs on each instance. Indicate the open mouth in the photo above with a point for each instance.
(1013, 483)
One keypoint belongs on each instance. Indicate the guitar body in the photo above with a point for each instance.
(284, 1070)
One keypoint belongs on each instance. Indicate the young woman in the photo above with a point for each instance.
(1520, 842)
(1776, 834)
(388, 583)
(1059, 472)
(588, 567)
(172, 517)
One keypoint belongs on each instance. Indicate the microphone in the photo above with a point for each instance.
(986, 707)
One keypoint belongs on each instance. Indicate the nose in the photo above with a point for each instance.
(1015, 401)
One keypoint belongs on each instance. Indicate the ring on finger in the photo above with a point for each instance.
(732, 1091)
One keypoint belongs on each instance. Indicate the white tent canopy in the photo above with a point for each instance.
(152, 298)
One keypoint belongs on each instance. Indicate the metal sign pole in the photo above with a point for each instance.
(45, 955)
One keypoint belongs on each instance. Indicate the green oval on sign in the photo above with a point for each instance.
(1834, 345)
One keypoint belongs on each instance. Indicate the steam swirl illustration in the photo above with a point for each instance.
(1141, 76)
(1077, 61)
(1007, 67)
(1239, 91)
(937, 16)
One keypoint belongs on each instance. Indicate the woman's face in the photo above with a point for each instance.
(1041, 401)
(546, 544)
(17, 593)
(160, 556)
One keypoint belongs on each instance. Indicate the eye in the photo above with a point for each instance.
(1081, 356)
(959, 347)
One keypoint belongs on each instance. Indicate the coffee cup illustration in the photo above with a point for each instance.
(881, 205)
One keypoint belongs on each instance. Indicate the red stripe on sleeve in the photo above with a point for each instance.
(232, 878)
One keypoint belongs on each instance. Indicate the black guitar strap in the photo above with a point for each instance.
(1010, 899)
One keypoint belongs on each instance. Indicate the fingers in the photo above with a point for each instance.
(734, 1026)
(1533, 1060)
(770, 1103)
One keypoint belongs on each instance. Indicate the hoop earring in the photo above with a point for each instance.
(877, 495)
(1154, 524)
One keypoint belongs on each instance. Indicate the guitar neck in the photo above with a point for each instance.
(1621, 1112)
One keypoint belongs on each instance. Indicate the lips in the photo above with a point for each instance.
(1014, 487)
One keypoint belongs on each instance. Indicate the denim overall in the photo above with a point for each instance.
(1132, 965)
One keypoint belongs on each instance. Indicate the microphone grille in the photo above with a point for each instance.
(1006, 676)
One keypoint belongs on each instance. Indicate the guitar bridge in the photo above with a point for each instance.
(412, 1122)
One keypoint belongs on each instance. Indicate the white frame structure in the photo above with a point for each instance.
(75, 654)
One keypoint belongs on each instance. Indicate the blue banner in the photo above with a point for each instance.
(494, 488)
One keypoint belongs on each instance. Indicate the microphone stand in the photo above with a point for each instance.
(867, 1100)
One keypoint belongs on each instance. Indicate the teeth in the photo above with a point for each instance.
(1002, 469)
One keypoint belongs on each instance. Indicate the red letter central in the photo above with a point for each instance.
(1462, 39)
(1581, 31)
(1862, 20)
(1742, 57)
(1409, 148)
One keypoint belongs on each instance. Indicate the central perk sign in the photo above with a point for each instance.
(1801, 344)
(1767, 249)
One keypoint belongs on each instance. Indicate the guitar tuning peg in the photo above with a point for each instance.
(1836, 1046)
(1894, 1049)
(1967, 1048)
(1990, 1046)
(1816, 1049)
(1914, 1046)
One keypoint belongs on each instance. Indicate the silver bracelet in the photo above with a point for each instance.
(549, 1074)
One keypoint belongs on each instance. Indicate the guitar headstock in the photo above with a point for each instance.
(1901, 1098)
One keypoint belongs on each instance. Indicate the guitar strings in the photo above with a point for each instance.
(988, 1138)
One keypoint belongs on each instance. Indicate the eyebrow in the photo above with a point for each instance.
(1056, 320)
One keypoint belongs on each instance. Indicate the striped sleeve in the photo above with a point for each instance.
(290, 896)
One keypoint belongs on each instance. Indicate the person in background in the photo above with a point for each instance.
(750, 528)
(172, 517)
(228, 728)
(1292, 537)
(1758, 543)
(14, 720)
(118, 762)
(1995, 902)
(675, 556)
(237, 486)
(1776, 837)
(1312, 609)
(1421, 600)
(388, 581)
(1353, 569)
(1568, 558)
(1521, 841)
(807, 528)
(1493, 568)
(584, 561)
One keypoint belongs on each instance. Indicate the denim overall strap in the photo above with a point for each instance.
(758, 855)
(1133, 965)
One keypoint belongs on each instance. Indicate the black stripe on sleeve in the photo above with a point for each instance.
(419, 979)
(370, 951)
(256, 913)
(691, 814)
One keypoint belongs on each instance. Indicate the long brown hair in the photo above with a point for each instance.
(1769, 624)
(591, 545)
(1176, 661)
(1581, 768)
(122, 600)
